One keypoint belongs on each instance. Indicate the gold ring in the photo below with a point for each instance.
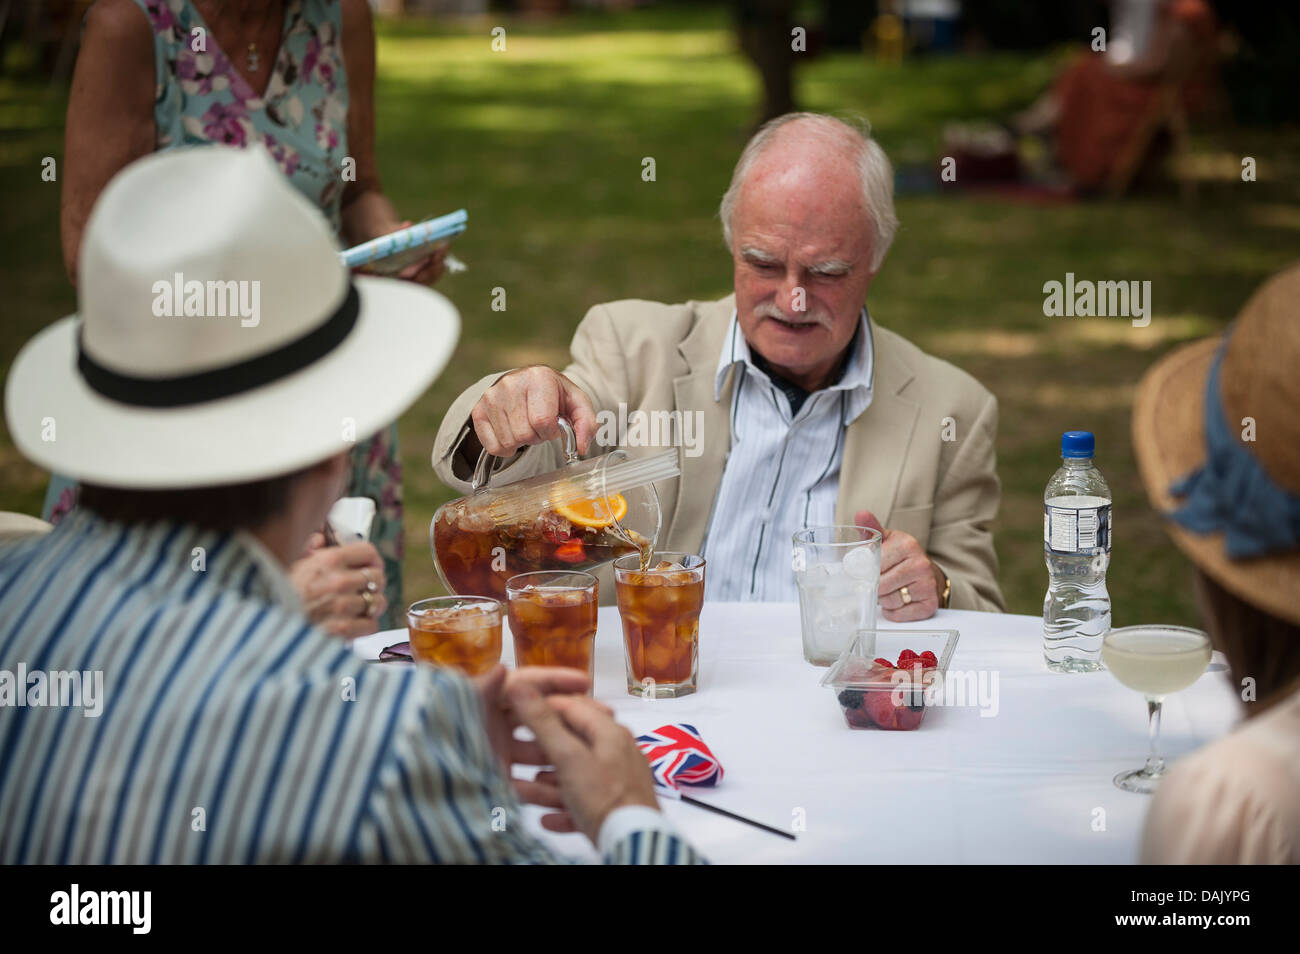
(371, 585)
(370, 603)
(907, 597)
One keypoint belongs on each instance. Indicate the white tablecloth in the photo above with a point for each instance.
(1028, 782)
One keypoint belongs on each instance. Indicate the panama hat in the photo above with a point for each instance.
(1216, 430)
(219, 338)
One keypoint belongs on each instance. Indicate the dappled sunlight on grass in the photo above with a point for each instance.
(525, 119)
(1274, 216)
(1119, 332)
(1066, 334)
(1052, 396)
(991, 343)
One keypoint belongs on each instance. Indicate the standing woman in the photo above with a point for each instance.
(296, 76)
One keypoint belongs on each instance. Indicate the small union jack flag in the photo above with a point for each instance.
(678, 756)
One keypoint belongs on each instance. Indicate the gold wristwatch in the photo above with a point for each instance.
(947, 591)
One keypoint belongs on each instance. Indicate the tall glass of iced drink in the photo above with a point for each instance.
(659, 601)
(553, 618)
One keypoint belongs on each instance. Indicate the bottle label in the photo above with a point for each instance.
(1085, 530)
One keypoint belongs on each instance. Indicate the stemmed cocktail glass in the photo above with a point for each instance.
(1154, 660)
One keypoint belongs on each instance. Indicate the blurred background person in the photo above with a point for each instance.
(1159, 60)
(1218, 445)
(296, 76)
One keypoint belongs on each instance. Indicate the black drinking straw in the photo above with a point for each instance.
(722, 811)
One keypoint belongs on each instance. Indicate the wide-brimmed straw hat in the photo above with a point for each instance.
(1216, 429)
(219, 337)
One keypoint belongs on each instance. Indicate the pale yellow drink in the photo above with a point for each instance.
(1156, 662)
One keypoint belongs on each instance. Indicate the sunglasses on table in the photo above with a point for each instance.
(398, 652)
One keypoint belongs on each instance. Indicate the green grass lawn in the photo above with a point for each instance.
(543, 144)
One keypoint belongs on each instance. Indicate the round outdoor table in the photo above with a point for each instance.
(1019, 772)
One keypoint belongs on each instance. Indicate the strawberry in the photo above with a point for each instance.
(858, 719)
(879, 707)
(857, 702)
(902, 704)
(888, 696)
(907, 718)
(931, 661)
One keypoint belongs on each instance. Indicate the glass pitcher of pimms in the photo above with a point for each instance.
(584, 514)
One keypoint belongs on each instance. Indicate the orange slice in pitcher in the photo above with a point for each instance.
(594, 513)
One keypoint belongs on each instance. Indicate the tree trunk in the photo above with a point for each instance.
(763, 29)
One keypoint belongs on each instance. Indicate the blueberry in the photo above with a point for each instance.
(850, 698)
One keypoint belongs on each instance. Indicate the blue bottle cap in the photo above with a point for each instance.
(1077, 444)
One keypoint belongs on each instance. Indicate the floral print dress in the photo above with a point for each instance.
(302, 121)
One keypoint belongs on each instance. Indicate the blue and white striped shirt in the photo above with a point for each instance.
(782, 471)
(229, 729)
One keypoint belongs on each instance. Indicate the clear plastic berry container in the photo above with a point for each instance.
(874, 696)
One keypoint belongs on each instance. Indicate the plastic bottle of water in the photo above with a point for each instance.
(1076, 545)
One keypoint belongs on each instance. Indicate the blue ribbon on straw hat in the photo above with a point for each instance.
(1231, 492)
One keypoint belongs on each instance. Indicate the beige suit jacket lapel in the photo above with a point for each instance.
(876, 443)
(693, 391)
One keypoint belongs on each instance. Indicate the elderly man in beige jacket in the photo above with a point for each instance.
(795, 408)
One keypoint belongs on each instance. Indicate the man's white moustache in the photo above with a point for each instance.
(808, 318)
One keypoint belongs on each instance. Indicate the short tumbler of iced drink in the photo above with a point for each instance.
(459, 631)
(553, 618)
(837, 570)
(660, 608)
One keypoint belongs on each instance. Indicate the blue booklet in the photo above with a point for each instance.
(389, 254)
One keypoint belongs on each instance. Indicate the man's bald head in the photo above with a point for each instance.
(818, 161)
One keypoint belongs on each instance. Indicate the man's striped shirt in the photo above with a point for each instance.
(783, 467)
(230, 730)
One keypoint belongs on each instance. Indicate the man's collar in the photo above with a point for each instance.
(856, 378)
(228, 560)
